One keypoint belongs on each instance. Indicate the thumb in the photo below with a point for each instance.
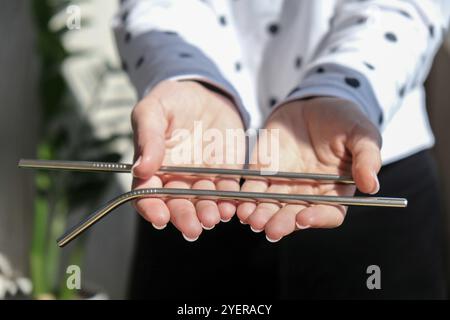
(149, 127)
(364, 145)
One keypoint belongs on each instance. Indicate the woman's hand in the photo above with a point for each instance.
(320, 135)
(163, 124)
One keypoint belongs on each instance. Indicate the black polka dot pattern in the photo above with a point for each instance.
(273, 28)
(139, 62)
(298, 62)
(361, 20)
(405, 14)
(369, 66)
(272, 101)
(431, 31)
(390, 37)
(352, 82)
(127, 37)
(124, 16)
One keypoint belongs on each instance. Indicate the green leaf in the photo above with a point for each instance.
(38, 248)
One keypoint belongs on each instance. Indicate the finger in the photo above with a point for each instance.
(321, 216)
(227, 208)
(246, 208)
(365, 146)
(207, 211)
(264, 211)
(149, 127)
(282, 222)
(153, 210)
(182, 213)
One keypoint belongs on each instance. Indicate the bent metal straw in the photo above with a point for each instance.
(164, 193)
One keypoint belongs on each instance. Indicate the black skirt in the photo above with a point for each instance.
(231, 261)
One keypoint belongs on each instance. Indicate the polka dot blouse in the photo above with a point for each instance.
(264, 53)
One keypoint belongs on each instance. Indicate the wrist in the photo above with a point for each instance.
(217, 93)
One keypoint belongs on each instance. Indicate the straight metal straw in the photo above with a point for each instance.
(191, 171)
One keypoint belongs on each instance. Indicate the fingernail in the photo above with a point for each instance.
(207, 228)
(159, 227)
(378, 183)
(272, 240)
(302, 227)
(242, 222)
(255, 230)
(225, 220)
(189, 239)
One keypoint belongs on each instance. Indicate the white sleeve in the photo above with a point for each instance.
(182, 40)
(375, 52)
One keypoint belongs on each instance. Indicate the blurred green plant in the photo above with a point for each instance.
(65, 134)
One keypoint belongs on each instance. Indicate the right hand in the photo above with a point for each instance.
(171, 106)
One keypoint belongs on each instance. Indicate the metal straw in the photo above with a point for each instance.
(218, 195)
(206, 194)
(191, 171)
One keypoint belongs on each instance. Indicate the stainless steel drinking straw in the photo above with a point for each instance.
(165, 193)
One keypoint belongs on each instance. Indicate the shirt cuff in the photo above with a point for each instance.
(223, 88)
(331, 80)
(156, 56)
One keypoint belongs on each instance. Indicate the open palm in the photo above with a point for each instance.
(163, 125)
(320, 135)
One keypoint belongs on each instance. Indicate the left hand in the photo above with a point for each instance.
(320, 135)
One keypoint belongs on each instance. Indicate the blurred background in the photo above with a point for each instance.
(63, 95)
